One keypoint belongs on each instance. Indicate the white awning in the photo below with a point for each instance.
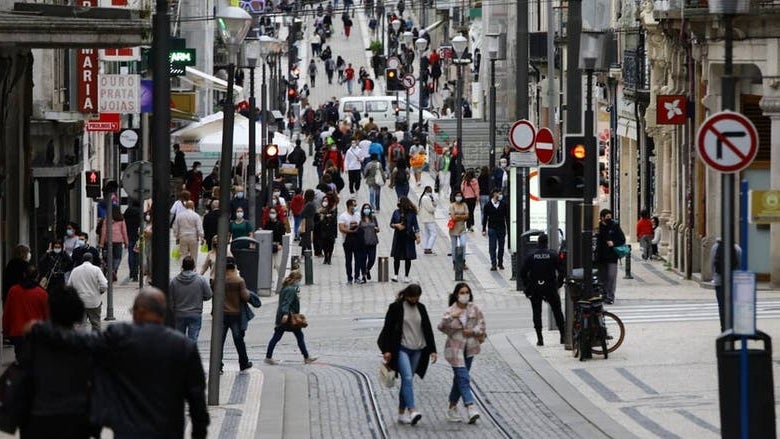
(204, 80)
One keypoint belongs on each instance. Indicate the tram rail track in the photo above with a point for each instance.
(374, 416)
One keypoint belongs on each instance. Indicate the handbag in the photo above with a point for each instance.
(379, 179)
(451, 224)
(387, 376)
(298, 320)
(621, 250)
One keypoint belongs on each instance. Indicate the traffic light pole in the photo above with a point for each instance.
(589, 189)
(252, 168)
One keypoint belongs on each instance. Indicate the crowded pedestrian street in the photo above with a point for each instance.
(401, 338)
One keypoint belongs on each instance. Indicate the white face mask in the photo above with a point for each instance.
(324, 204)
(458, 199)
(80, 243)
(463, 298)
(57, 251)
(239, 215)
(276, 194)
(148, 218)
(272, 216)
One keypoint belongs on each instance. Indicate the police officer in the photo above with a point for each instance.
(542, 274)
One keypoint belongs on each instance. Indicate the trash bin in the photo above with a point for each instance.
(760, 386)
(528, 243)
(245, 252)
(264, 266)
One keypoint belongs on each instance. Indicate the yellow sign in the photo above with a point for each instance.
(764, 206)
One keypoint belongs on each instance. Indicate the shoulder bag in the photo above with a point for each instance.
(379, 179)
(298, 321)
(621, 250)
(387, 376)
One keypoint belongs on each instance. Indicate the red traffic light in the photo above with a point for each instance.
(578, 151)
(92, 178)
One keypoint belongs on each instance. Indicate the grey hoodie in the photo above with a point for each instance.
(187, 292)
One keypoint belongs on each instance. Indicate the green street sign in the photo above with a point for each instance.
(182, 56)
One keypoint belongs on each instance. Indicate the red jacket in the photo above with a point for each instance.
(296, 204)
(644, 227)
(23, 306)
(336, 157)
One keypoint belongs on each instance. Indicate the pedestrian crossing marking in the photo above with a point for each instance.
(685, 311)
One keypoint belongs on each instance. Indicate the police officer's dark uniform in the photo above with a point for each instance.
(542, 273)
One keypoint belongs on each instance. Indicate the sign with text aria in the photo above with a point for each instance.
(119, 94)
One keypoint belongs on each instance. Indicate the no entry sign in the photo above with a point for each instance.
(727, 141)
(545, 146)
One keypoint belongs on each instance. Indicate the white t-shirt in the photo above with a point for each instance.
(346, 218)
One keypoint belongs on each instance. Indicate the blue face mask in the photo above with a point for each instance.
(239, 195)
(366, 212)
(500, 197)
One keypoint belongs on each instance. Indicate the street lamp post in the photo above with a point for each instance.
(233, 24)
(493, 55)
(408, 37)
(252, 52)
(268, 46)
(459, 46)
(420, 44)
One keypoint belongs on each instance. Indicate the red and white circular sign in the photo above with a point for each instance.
(522, 135)
(727, 141)
(545, 145)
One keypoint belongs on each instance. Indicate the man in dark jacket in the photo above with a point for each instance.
(298, 157)
(133, 224)
(144, 373)
(609, 236)
(210, 223)
(83, 247)
(542, 275)
(495, 217)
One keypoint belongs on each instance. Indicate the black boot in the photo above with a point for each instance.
(563, 336)
(539, 339)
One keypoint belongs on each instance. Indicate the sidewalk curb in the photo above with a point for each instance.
(582, 415)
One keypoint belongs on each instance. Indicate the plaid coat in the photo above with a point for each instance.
(458, 347)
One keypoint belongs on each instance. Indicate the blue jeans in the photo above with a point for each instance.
(368, 257)
(454, 243)
(278, 333)
(402, 190)
(461, 384)
(496, 245)
(233, 322)
(189, 325)
(408, 359)
(296, 225)
(373, 196)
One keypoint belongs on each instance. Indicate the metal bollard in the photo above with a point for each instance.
(514, 267)
(628, 264)
(383, 269)
(460, 261)
(308, 268)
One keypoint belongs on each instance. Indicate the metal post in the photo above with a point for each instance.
(492, 109)
(251, 169)
(590, 188)
(161, 155)
(552, 206)
(727, 179)
(420, 91)
(460, 261)
(521, 112)
(408, 122)
(573, 126)
(459, 128)
(263, 130)
(308, 267)
(110, 248)
(218, 303)
(628, 264)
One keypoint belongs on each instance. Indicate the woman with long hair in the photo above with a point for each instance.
(119, 237)
(464, 324)
(427, 216)
(406, 234)
(288, 304)
(407, 344)
(399, 178)
(53, 266)
(469, 188)
(326, 228)
(459, 214)
(370, 229)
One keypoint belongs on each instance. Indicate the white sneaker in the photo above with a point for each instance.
(473, 414)
(453, 415)
(407, 279)
(394, 278)
(415, 416)
(404, 419)
(271, 361)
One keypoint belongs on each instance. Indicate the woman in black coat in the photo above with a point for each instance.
(53, 266)
(407, 343)
(406, 234)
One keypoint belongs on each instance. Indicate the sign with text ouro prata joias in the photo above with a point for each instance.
(119, 94)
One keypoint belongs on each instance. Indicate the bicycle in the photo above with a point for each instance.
(594, 330)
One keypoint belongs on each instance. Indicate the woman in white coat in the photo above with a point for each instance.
(427, 218)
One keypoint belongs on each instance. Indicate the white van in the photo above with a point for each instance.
(381, 108)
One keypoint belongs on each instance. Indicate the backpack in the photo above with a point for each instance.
(718, 260)
(397, 153)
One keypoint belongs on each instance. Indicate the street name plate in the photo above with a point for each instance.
(518, 159)
(744, 302)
